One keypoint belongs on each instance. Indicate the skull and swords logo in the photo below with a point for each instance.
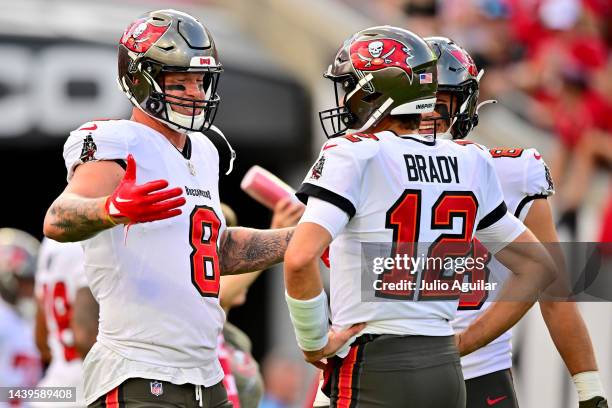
(375, 48)
(141, 35)
(139, 30)
(378, 54)
(142, 27)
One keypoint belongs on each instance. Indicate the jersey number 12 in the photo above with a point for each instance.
(404, 219)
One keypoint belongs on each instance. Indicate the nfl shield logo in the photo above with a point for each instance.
(157, 388)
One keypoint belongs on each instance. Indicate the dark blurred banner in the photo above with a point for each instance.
(52, 85)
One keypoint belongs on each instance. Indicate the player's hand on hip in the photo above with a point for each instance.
(335, 341)
(287, 213)
(461, 345)
(595, 402)
(131, 203)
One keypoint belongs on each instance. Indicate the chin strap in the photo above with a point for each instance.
(479, 76)
(462, 108)
(447, 134)
(483, 103)
(488, 101)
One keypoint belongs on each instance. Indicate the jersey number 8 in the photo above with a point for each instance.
(204, 233)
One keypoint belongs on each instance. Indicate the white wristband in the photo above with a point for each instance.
(310, 321)
(588, 385)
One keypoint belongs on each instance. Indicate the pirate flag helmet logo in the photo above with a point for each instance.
(379, 54)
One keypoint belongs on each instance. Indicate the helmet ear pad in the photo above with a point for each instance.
(140, 84)
(143, 84)
(154, 105)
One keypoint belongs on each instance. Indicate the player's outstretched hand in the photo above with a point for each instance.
(595, 402)
(131, 203)
(287, 213)
(335, 341)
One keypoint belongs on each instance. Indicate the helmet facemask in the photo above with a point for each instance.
(165, 106)
(459, 115)
(430, 125)
(336, 121)
(199, 114)
(357, 107)
(464, 115)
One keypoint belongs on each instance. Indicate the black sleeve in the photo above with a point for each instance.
(492, 217)
(122, 163)
(310, 190)
(525, 201)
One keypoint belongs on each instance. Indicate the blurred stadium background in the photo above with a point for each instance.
(547, 62)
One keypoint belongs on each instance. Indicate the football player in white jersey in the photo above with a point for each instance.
(59, 275)
(526, 183)
(19, 360)
(243, 369)
(154, 254)
(390, 189)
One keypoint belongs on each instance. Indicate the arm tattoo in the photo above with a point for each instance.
(77, 218)
(247, 250)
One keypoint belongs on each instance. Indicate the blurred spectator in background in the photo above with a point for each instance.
(583, 125)
(421, 16)
(19, 360)
(283, 379)
(482, 26)
(18, 255)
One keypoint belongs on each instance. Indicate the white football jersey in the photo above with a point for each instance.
(402, 189)
(20, 364)
(157, 283)
(524, 177)
(60, 273)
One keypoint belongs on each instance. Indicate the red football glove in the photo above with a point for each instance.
(325, 257)
(131, 203)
